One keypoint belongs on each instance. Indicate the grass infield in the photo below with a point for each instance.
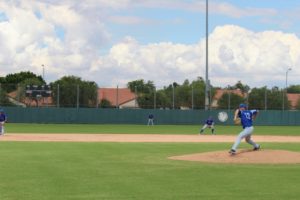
(128, 171)
(95, 171)
(143, 129)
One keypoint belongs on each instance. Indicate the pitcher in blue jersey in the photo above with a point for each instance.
(247, 117)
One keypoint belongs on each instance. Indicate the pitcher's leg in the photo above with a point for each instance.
(250, 141)
(246, 132)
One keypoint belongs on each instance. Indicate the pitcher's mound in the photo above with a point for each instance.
(244, 156)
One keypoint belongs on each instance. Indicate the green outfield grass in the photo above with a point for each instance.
(141, 171)
(143, 129)
(114, 171)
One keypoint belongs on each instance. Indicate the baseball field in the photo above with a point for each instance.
(62, 170)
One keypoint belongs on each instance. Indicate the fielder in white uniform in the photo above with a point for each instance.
(247, 117)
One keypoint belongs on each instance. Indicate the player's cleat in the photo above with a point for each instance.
(232, 152)
(256, 148)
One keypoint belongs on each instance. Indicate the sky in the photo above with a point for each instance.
(113, 42)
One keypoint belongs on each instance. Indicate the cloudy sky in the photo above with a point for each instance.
(112, 42)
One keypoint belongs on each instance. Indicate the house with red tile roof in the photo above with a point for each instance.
(29, 102)
(118, 97)
(293, 99)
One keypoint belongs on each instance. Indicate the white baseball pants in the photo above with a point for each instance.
(246, 133)
(209, 126)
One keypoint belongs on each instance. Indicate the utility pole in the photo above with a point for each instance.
(207, 87)
(43, 66)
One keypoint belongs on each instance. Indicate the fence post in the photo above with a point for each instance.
(173, 96)
(192, 97)
(0, 93)
(97, 98)
(266, 98)
(135, 96)
(154, 97)
(117, 97)
(18, 92)
(229, 100)
(57, 104)
(77, 96)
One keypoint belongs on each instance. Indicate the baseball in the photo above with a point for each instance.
(222, 116)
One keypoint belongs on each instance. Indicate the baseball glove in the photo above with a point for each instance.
(237, 121)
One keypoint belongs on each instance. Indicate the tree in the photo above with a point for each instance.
(147, 94)
(298, 105)
(272, 98)
(199, 92)
(11, 81)
(235, 100)
(104, 103)
(144, 91)
(294, 89)
(242, 87)
(183, 94)
(69, 86)
(257, 97)
(4, 101)
(162, 101)
(140, 86)
(170, 98)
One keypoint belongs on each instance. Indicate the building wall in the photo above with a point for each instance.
(130, 104)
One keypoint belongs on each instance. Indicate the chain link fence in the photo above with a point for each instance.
(167, 98)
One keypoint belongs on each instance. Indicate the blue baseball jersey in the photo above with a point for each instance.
(2, 117)
(247, 117)
(209, 122)
(151, 116)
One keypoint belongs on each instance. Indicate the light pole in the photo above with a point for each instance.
(43, 66)
(229, 98)
(206, 61)
(285, 91)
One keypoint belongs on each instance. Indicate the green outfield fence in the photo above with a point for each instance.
(138, 116)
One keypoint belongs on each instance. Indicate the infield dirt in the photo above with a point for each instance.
(140, 138)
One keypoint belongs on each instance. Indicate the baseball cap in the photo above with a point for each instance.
(242, 105)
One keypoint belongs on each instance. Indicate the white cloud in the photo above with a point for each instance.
(29, 40)
(235, 54)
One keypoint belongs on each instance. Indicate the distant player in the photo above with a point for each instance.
(246, 118)
(209, 123)
(150, 119)
(3, 119)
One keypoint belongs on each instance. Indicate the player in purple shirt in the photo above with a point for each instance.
(209, 123)
(247, 117)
